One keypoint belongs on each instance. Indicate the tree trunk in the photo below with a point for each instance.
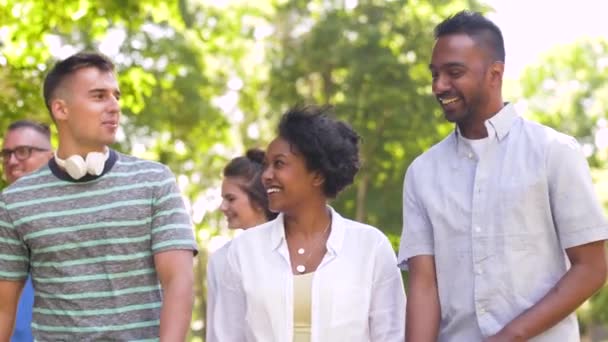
(361, 195)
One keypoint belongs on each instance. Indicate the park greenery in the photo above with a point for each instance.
(203, 80)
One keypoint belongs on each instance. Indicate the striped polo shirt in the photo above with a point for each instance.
(90, 247)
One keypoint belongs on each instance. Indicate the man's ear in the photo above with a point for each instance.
(59, 109)
(497, 70)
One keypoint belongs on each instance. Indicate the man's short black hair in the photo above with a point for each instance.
(484, 32)
(67, 67)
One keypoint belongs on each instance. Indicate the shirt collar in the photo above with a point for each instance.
(502, 121)
(334, 241)
(498, 127)
(63, 175)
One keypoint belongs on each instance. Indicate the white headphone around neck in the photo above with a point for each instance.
(77, 167)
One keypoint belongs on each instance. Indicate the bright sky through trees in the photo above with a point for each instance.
(532, 27)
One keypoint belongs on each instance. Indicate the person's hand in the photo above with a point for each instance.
(505, 335)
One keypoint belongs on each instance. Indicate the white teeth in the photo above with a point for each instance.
(272, 190)
(448, 101)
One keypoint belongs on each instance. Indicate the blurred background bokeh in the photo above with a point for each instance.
(203, 80)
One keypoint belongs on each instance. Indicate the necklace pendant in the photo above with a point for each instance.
(301, 268)
(301, 251)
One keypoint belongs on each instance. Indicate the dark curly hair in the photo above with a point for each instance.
(249, 169)
(328, 145)
(484, 32)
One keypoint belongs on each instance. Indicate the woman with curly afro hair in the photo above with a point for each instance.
(310, 274)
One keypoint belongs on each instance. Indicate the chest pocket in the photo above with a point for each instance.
(524, 206)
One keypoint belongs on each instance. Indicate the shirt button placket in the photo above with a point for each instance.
(478, 245)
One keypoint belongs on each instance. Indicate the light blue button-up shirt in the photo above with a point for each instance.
(498, 223)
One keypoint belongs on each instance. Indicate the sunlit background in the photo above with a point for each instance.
(204, 80)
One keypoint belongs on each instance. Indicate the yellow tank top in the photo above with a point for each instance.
(302, 299)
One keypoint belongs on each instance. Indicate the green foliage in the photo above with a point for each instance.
(202, 81)
(371, 63)
(567, 89)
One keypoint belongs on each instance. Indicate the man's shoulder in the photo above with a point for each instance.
(436, 152)
(545, 136)
(127, 161)
(124, 158)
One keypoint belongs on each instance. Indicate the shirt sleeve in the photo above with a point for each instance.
(171, 225)
(212, 280)
(230, 307)
(417, 234)
(576, 210)
(387, 309)
(14, 256)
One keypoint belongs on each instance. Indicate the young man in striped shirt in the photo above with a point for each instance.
(102, 233)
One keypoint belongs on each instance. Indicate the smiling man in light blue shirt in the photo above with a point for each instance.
(503, 234)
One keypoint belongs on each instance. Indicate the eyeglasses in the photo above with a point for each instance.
(21, 152)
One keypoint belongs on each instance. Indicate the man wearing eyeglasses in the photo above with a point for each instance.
(26, 147)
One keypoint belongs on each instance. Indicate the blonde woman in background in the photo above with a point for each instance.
(245, 205)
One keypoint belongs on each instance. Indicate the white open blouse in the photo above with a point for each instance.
(357, 290)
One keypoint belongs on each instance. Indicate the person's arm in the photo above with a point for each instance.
(416, 254)
(175, 272)
(173, 245)
(423, 310)
(586, 275)
(581, 226)
(10, 291)
(387, 308)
